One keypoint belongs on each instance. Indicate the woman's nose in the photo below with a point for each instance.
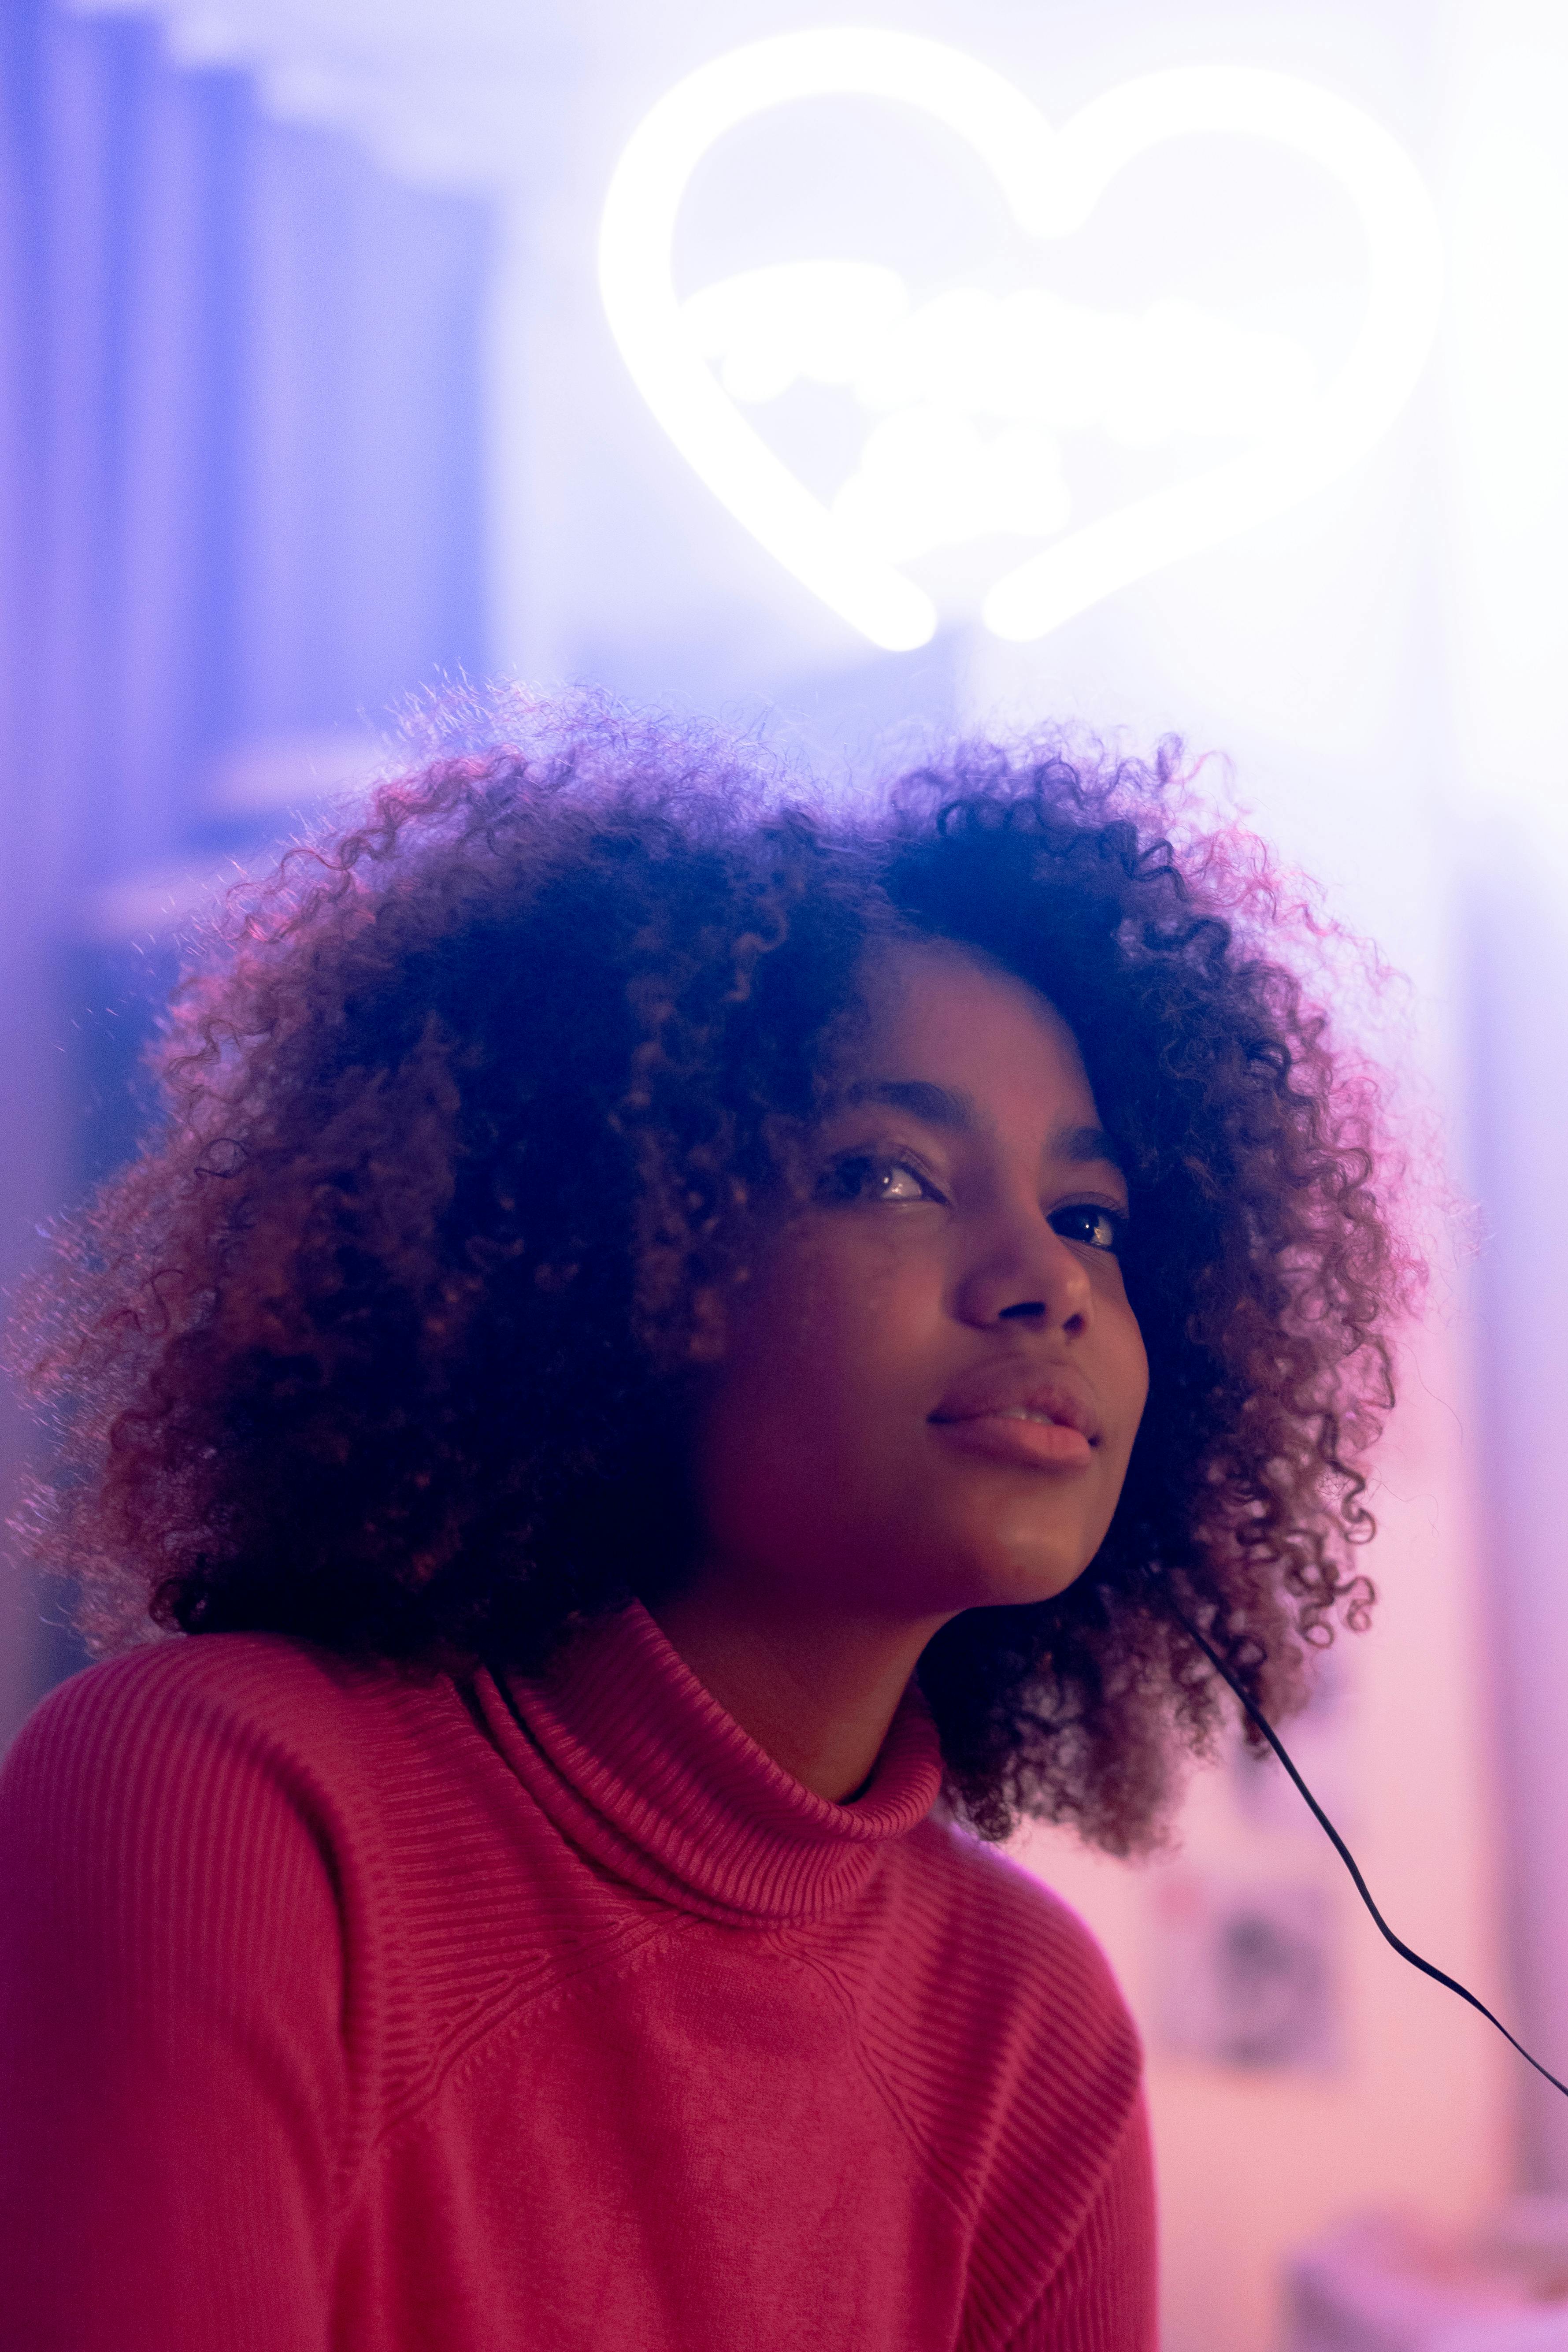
(1023, 1272)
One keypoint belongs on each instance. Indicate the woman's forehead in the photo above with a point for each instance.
(960, 1043)
(944, 1001)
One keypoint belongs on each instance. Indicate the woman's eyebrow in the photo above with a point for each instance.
(950, 1107)
(1084, 1146)
(946, 1106)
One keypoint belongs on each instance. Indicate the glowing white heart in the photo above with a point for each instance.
(928, 370)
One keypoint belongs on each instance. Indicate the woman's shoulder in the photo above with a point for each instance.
(991, 2004)
(212, 1668)
(168, 1825)
(1016, 1931)
(1024, 1993)
(152, 1801)
(213, 1743)
(255, 1691)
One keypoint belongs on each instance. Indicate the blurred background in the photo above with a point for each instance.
(316, 391)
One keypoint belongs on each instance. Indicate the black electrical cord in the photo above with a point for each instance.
(1345, 1856)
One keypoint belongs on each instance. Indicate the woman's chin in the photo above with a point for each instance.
(1012, 1583)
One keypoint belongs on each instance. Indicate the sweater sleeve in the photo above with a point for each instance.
(1101, 2296)
(172, 2069)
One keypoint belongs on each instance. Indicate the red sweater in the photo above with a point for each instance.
(336, 2012)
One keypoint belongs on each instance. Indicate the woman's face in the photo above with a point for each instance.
(928, 1392)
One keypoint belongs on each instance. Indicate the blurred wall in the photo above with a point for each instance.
(1506, 593)
(239, 513)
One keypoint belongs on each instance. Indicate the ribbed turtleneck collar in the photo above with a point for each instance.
(637, 1764)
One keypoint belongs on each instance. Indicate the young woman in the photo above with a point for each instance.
(681, 1363)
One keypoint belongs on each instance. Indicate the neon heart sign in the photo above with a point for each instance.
(1052, 179)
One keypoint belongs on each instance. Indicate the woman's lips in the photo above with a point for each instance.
(1018, 1412)
(1017, 1433)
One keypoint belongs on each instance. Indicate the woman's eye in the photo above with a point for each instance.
(866, 1178)
(1087, 1221)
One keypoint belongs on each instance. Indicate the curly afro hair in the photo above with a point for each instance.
(474, 1107)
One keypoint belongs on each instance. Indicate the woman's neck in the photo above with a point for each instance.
(815, 1691)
